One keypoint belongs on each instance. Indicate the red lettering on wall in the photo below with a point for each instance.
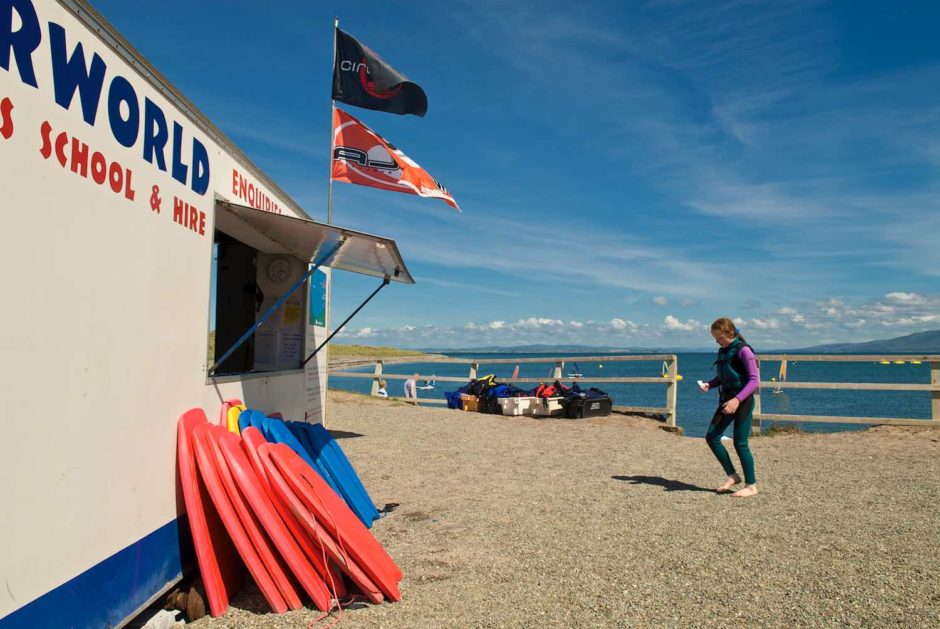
(251, 194)
(99, 168)
(60, 143)
(129, 192)
(188, 216)
(45, 130)
(116, 177)
(177, 211)
(6, 118)
(79, 156)
(73, 153)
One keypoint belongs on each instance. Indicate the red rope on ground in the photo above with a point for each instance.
(326, 562)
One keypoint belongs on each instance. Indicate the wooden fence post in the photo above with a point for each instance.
(672, 364)
(935, 395)
(473, 370)
(378, 376)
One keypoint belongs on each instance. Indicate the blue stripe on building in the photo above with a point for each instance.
(107, 593)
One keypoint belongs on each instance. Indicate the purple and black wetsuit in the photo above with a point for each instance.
(737, 377)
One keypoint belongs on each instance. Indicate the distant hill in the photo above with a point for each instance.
(919, 343)
(540, 348)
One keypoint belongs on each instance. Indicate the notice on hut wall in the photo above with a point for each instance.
(266, 342)
(315, 377)
(318, 298)
(315, 332)
(316, 370)
(289, 348)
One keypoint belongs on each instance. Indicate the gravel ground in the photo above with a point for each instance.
(518, 522)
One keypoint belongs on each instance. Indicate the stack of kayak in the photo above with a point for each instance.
(281, 500)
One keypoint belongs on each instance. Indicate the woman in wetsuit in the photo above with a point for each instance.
(737, 380)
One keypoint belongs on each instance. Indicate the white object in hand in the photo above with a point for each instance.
(701, 385)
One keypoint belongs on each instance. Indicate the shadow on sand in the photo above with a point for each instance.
(342, 434)
(665, 483)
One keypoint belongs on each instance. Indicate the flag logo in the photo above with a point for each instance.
(361, 156)
(363, 79)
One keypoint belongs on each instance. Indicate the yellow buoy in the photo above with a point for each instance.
(678, 377)
(885, 362)
(899, 362)
(915, 362)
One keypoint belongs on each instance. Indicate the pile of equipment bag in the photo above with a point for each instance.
(487, 395)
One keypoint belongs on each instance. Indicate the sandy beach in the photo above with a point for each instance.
(518, 522)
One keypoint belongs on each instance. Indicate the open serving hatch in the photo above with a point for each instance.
(306, 239)
(318, 245)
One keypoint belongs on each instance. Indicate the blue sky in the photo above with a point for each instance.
(628, 171)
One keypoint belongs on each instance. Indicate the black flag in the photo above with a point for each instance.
(361, 78)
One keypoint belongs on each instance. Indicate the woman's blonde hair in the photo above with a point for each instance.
(725, 326)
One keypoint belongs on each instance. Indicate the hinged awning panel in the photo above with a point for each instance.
(305, 239)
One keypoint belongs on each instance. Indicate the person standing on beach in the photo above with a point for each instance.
(737, 380)
(411, 387)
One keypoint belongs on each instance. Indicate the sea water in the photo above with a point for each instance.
(694, 409)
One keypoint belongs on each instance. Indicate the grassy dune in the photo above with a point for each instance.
(353, 351)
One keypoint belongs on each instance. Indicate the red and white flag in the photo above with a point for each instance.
(363, 157)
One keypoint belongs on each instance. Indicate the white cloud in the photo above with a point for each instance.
(765, 324)
(673, 323)
(536, 323)
(783, 325)
(906, 298)
(659, 300)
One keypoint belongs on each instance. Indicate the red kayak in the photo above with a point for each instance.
(261, 505)
(335, 516)
(316, 530)
(221, 569)
(205, 457)
(332, 576)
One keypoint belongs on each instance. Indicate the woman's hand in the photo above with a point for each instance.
(731, 406)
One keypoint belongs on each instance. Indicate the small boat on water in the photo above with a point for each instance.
(665, 372)
(575, 372)
(781, 377)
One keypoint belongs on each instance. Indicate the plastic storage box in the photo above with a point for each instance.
(580, 408)
(470, 402)
(549, 407)
(518, 405)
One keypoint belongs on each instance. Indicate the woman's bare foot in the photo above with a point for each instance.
(733, 480)
(746, 492)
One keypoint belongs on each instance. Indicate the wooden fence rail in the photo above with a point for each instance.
(933, 387)
(669, 379)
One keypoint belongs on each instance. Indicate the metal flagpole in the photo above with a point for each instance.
(329, 221)
(329, 201)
